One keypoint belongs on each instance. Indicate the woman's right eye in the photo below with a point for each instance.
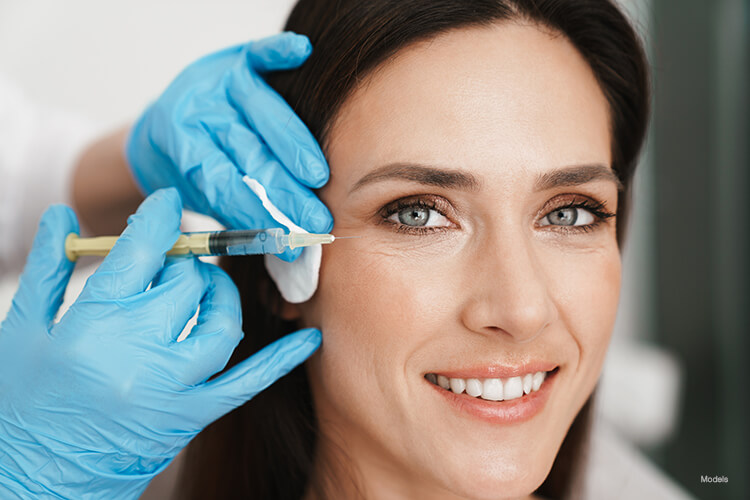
(418, 216)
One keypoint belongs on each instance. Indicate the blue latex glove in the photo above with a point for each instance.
(98, 404)
(218, 121)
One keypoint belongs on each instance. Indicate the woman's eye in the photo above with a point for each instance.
(569, 216)
(419, 216)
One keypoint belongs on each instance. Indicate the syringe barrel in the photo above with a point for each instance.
(246, 242)
(237, 242)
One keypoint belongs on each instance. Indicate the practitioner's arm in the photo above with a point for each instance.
(104, 192)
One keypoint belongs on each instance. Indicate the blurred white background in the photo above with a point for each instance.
(108, 59)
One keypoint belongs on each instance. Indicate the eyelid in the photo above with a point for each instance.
(431, 201)
(598, 209)
(434, 202)
(564, 199)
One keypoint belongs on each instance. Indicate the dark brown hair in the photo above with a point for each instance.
(265, 449)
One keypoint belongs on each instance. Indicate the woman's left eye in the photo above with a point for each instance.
(569, 216)
(577, 215)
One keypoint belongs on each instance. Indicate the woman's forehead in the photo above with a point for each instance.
(507, 95)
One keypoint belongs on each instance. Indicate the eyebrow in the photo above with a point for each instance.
(446, 178)
(576, 175)
(422, 174)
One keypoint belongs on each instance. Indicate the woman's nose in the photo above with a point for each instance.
(509, 294)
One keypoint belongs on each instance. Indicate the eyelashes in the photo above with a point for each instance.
(424, 205)
(430, 209)
(596, 210)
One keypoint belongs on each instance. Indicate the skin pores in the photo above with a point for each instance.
(492, 280)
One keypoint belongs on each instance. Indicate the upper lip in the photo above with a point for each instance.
(498, 371)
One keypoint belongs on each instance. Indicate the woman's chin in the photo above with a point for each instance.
(494, 485)
(491, 475)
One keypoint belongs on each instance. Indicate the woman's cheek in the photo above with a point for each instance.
(373, 287)
(586, 290)
(376, 302)
(375, 310)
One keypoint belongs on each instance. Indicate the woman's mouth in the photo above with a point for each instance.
(492, 389)
(496, 400)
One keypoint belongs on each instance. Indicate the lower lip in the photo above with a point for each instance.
(501, 412)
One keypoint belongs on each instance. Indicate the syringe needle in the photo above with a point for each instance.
(344, 237)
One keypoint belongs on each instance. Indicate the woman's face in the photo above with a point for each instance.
(476, 168)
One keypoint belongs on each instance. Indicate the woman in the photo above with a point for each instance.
(484, 152)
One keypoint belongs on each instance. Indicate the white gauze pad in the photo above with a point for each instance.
(298, 280)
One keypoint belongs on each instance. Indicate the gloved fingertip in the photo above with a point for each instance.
(56, 223)
(305, 342)
(318, 219)
(164, 204)
(323, 224)
(170, 195)
(301, 45)
(317, 168)
(59, 216)
(295, 42)
(312, 336)
(285, 50)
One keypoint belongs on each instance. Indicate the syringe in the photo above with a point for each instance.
(234, 242)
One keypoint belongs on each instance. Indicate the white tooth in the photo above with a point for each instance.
(458, 385)
(537, 380)
(431, 377)
(527, 383)
(474, 387)
(492, 389)
(513, 388)
(444, 382)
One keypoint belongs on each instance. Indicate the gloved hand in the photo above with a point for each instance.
(98, 404)
(218, 121)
